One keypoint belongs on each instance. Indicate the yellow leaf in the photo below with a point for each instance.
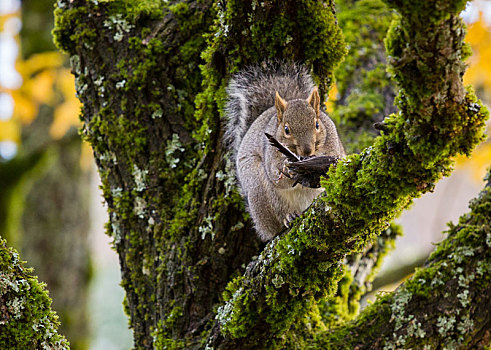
(479, 160)
(41, 88)
(24, 108)
(39, 62)
(65, 116)
(65, 82)
(331, 99)
(478, 163)
(479, 71)
(9, 130)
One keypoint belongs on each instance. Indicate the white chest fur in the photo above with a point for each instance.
(299, 198)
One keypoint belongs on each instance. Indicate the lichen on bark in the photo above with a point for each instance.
(26, 318)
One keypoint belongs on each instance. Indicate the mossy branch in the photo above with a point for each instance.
(438, 119)
(26, 318)
(446, 304)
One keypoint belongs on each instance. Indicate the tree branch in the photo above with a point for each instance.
(26, 318)
(446, 304)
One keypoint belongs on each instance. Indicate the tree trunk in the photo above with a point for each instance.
(177, 220)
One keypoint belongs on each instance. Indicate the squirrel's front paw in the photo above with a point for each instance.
(288, 221)
(285, 170)
(297, 177)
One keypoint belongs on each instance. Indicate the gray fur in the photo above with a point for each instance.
(271, 199)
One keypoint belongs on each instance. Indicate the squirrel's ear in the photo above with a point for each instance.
(280, 105)
(314, 100)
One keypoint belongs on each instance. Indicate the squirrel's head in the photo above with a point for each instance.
(299, 125)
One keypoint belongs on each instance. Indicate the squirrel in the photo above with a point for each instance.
(278, 99)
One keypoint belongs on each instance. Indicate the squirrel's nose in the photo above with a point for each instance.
(306, 151)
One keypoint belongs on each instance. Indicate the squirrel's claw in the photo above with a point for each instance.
(294, 175)
(290, 217)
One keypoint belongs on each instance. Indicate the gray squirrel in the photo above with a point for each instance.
(279, 99)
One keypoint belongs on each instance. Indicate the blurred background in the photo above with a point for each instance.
(51, 208)
(50, 205)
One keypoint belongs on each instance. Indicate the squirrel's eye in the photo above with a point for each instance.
(317, 124)
(287, 130)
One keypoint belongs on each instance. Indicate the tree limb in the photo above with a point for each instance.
(26, 318)
(446, 304)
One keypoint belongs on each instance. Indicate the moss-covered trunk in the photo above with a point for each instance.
(137, 72)
(151, 76)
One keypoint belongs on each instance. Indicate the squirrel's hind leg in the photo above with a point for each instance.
(263, 214)
(262, 200)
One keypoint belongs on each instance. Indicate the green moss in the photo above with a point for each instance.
(339, 308)
(142, 9)
(180, 8)
(69, 29)
(163, 334)
(236, 311)
(27, 321)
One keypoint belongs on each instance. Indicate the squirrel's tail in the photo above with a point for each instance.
(252, 91)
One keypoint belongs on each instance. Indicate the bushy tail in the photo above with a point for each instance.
(252, 91)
